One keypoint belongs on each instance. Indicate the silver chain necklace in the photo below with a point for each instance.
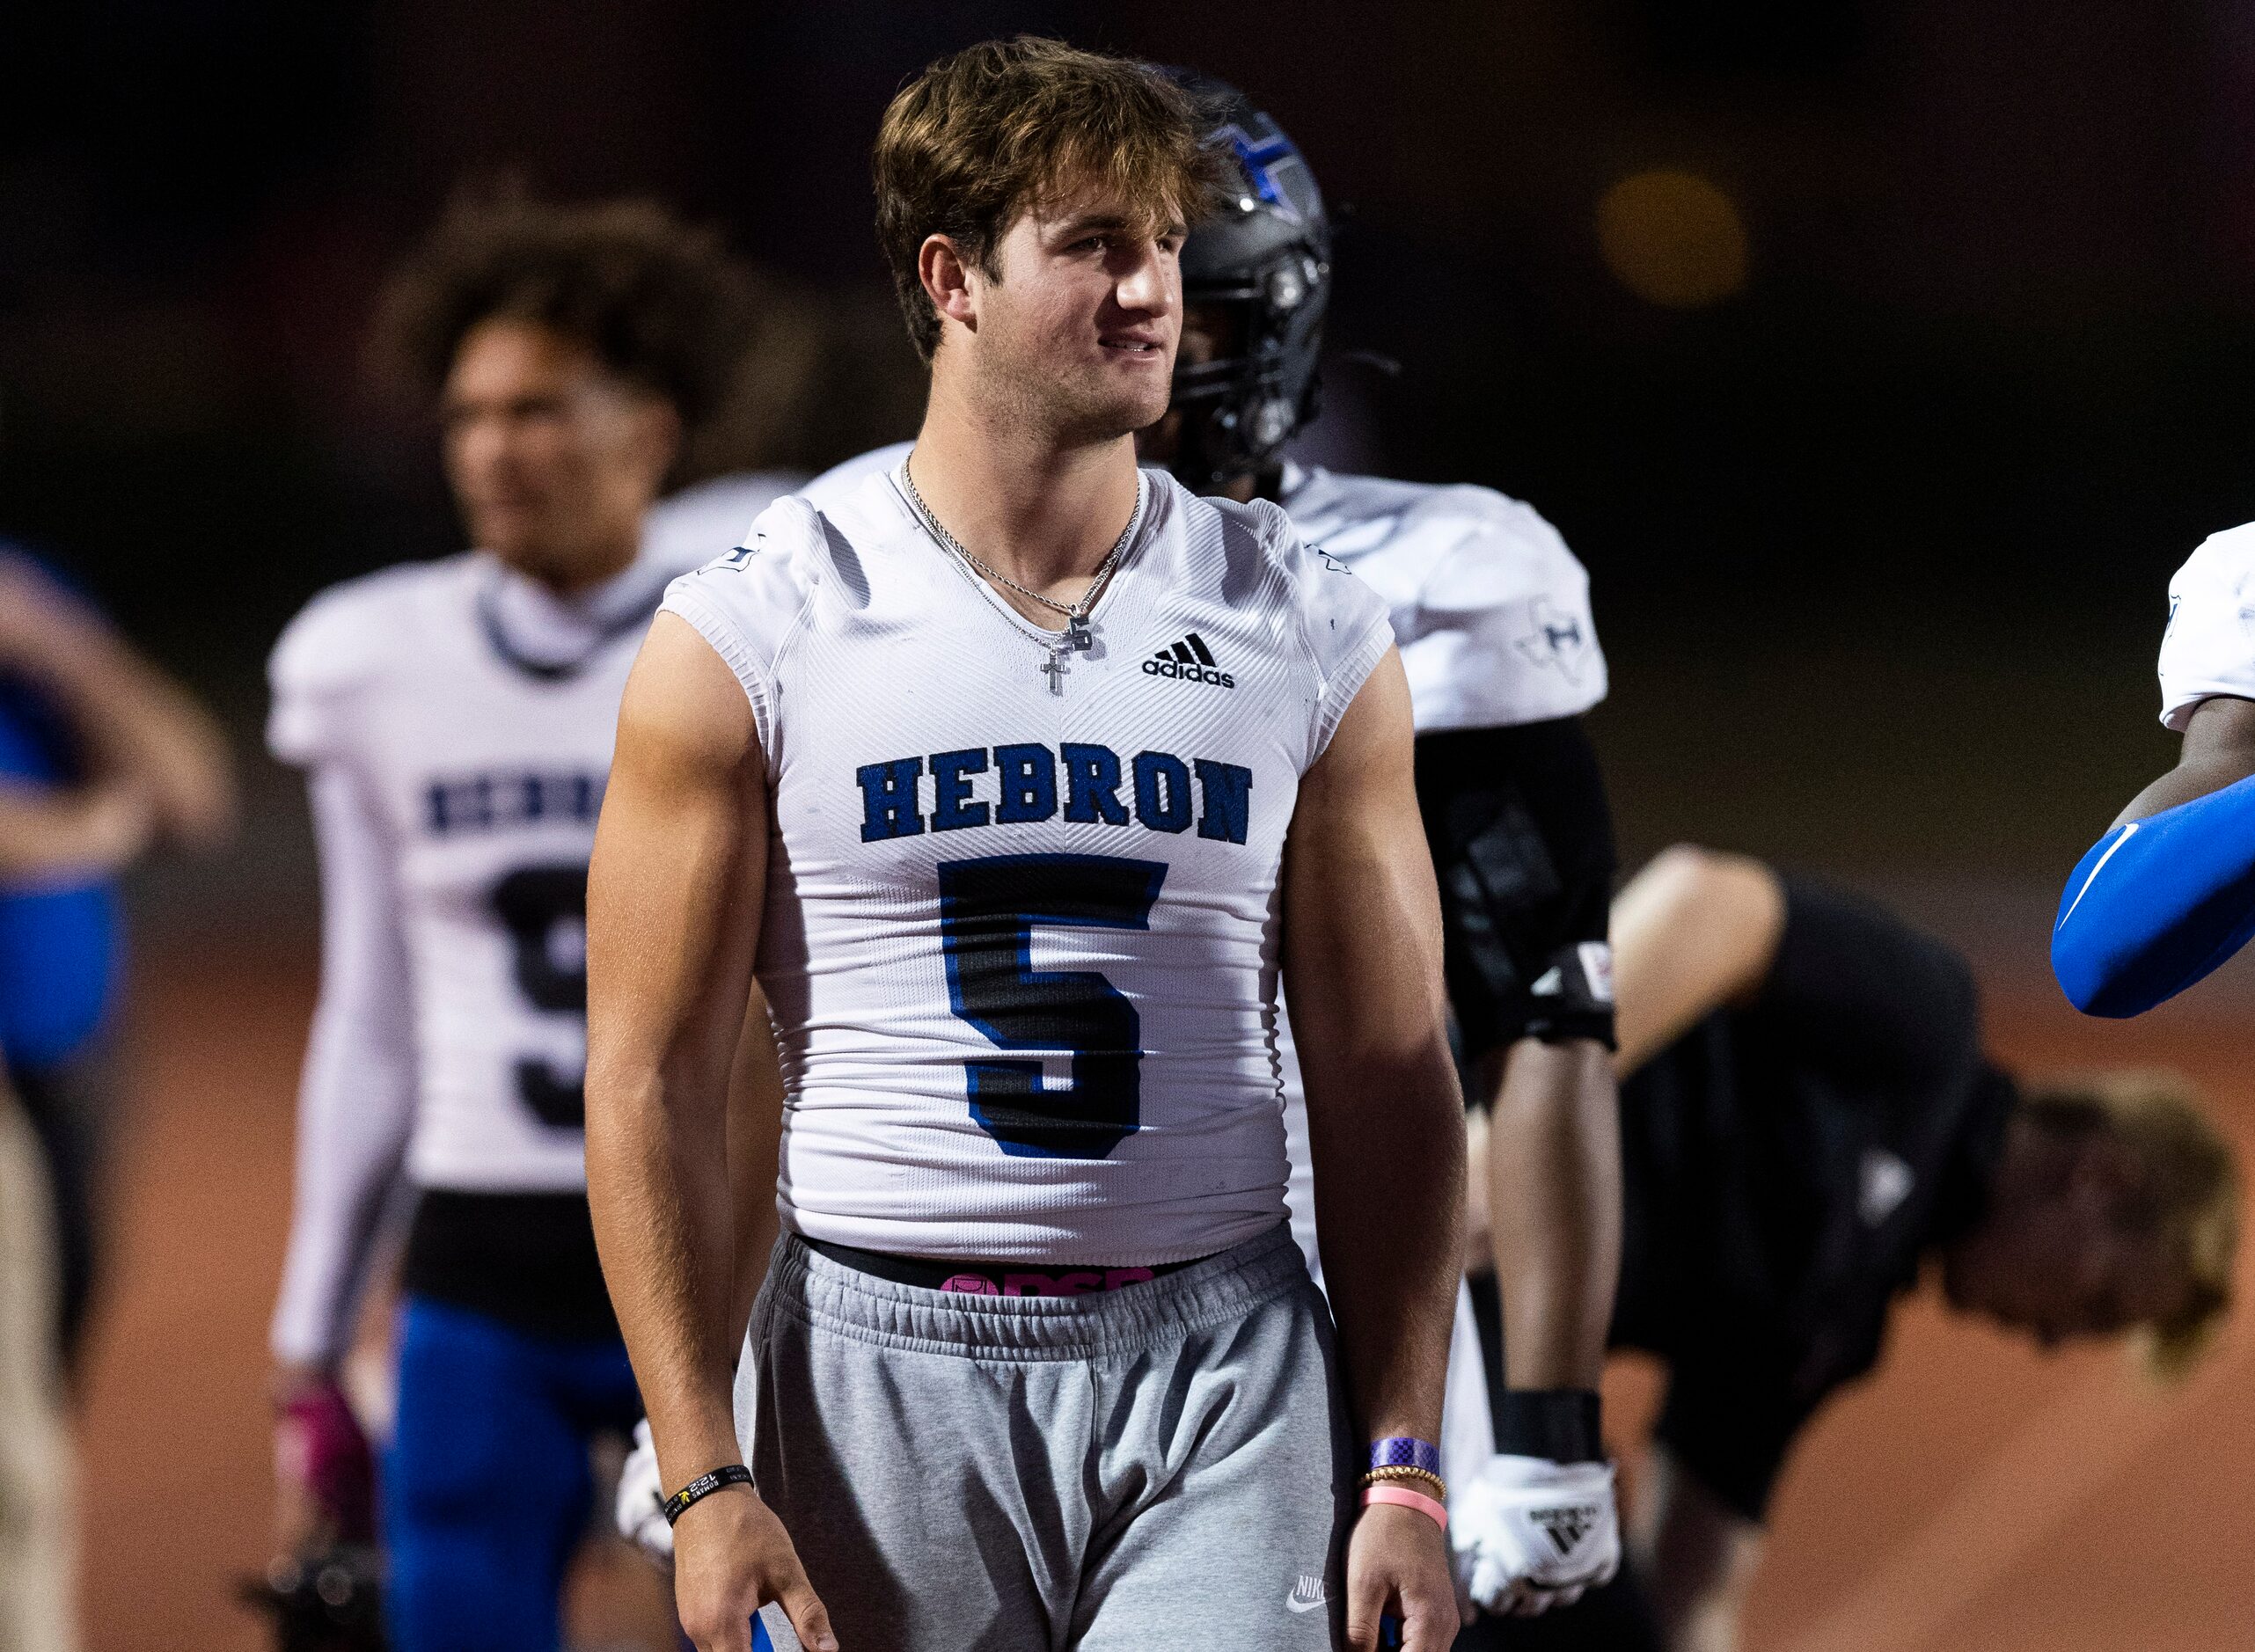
(1077, 636)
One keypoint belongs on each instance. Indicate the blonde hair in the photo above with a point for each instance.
(996, 128)
(2187, 1196)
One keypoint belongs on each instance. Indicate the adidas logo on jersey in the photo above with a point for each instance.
(1190, 660)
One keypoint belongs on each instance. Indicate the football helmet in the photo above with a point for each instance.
(1264, 258)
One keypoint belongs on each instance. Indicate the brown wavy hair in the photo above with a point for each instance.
(983, 136)
(661, 304)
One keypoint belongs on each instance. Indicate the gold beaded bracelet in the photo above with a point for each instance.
(1404, 1472)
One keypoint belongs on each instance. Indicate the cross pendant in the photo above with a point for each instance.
(1053, 668)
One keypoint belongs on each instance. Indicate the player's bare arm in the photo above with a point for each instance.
(155, 764)
(1554, 1194)
(1693, 932)
(88, 832)
(152, 749)
(2219, 750)
(674, 899)
(1362, 968)
(1697, 931)
(755, 1140)
(1732, 910)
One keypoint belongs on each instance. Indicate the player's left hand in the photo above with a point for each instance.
(324, 1473)
(1531, 1534)
(1397, 1563)
(639, 1508)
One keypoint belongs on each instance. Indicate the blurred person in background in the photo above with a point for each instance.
(1808, 1121)
(456, 720)
(2168, 893)
(1491, 612)
(36, 1612)
(103, 758)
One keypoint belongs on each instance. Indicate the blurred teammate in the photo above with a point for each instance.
(1038, 1363)
(1491, 613)
(35, 1505)
(456, 719)
(2168, 893)
(1808, 1120)
(102, 758)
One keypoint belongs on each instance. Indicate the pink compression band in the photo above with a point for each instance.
(1401, 1494)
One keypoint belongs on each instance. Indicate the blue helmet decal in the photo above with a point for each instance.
(1258, 157)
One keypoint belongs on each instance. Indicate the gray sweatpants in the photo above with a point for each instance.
(1163, 1466)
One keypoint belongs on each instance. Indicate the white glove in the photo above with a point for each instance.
(1531, 1534)
(640, 1508)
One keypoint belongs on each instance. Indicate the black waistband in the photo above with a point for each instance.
(525, 1258)
(1006, 1278)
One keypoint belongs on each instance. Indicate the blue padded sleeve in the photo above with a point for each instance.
(2157, 903)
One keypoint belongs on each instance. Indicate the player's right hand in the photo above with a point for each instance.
(731, 1556)
(1398, 1565)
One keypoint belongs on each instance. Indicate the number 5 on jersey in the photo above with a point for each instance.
(988, 908)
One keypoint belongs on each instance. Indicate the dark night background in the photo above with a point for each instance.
(1881, 359)
(1880, 538)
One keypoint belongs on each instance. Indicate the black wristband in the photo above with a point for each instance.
(1559, 1423)
(703, 1487)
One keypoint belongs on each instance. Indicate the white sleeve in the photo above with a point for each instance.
(324, 662)
(749, 604)
(356, 1101)
(1504, 631)
(2209, 646)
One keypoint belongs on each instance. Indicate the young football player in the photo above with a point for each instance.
(1491, 614)
(1037, 1361)
(456, 719)
(1808, 1120)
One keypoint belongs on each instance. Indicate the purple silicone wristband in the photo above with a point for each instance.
(1400, 1451)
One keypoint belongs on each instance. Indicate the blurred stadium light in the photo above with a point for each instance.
(1673, 238)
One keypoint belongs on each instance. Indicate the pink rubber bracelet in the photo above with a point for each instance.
(1408, 1499)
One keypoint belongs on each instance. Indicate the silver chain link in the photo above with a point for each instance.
(1076, 631)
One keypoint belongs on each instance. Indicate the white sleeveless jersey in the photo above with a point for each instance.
(1490, 607)
(1020, 940)
(1490, 610)
(483, 766)
(2209, 646)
